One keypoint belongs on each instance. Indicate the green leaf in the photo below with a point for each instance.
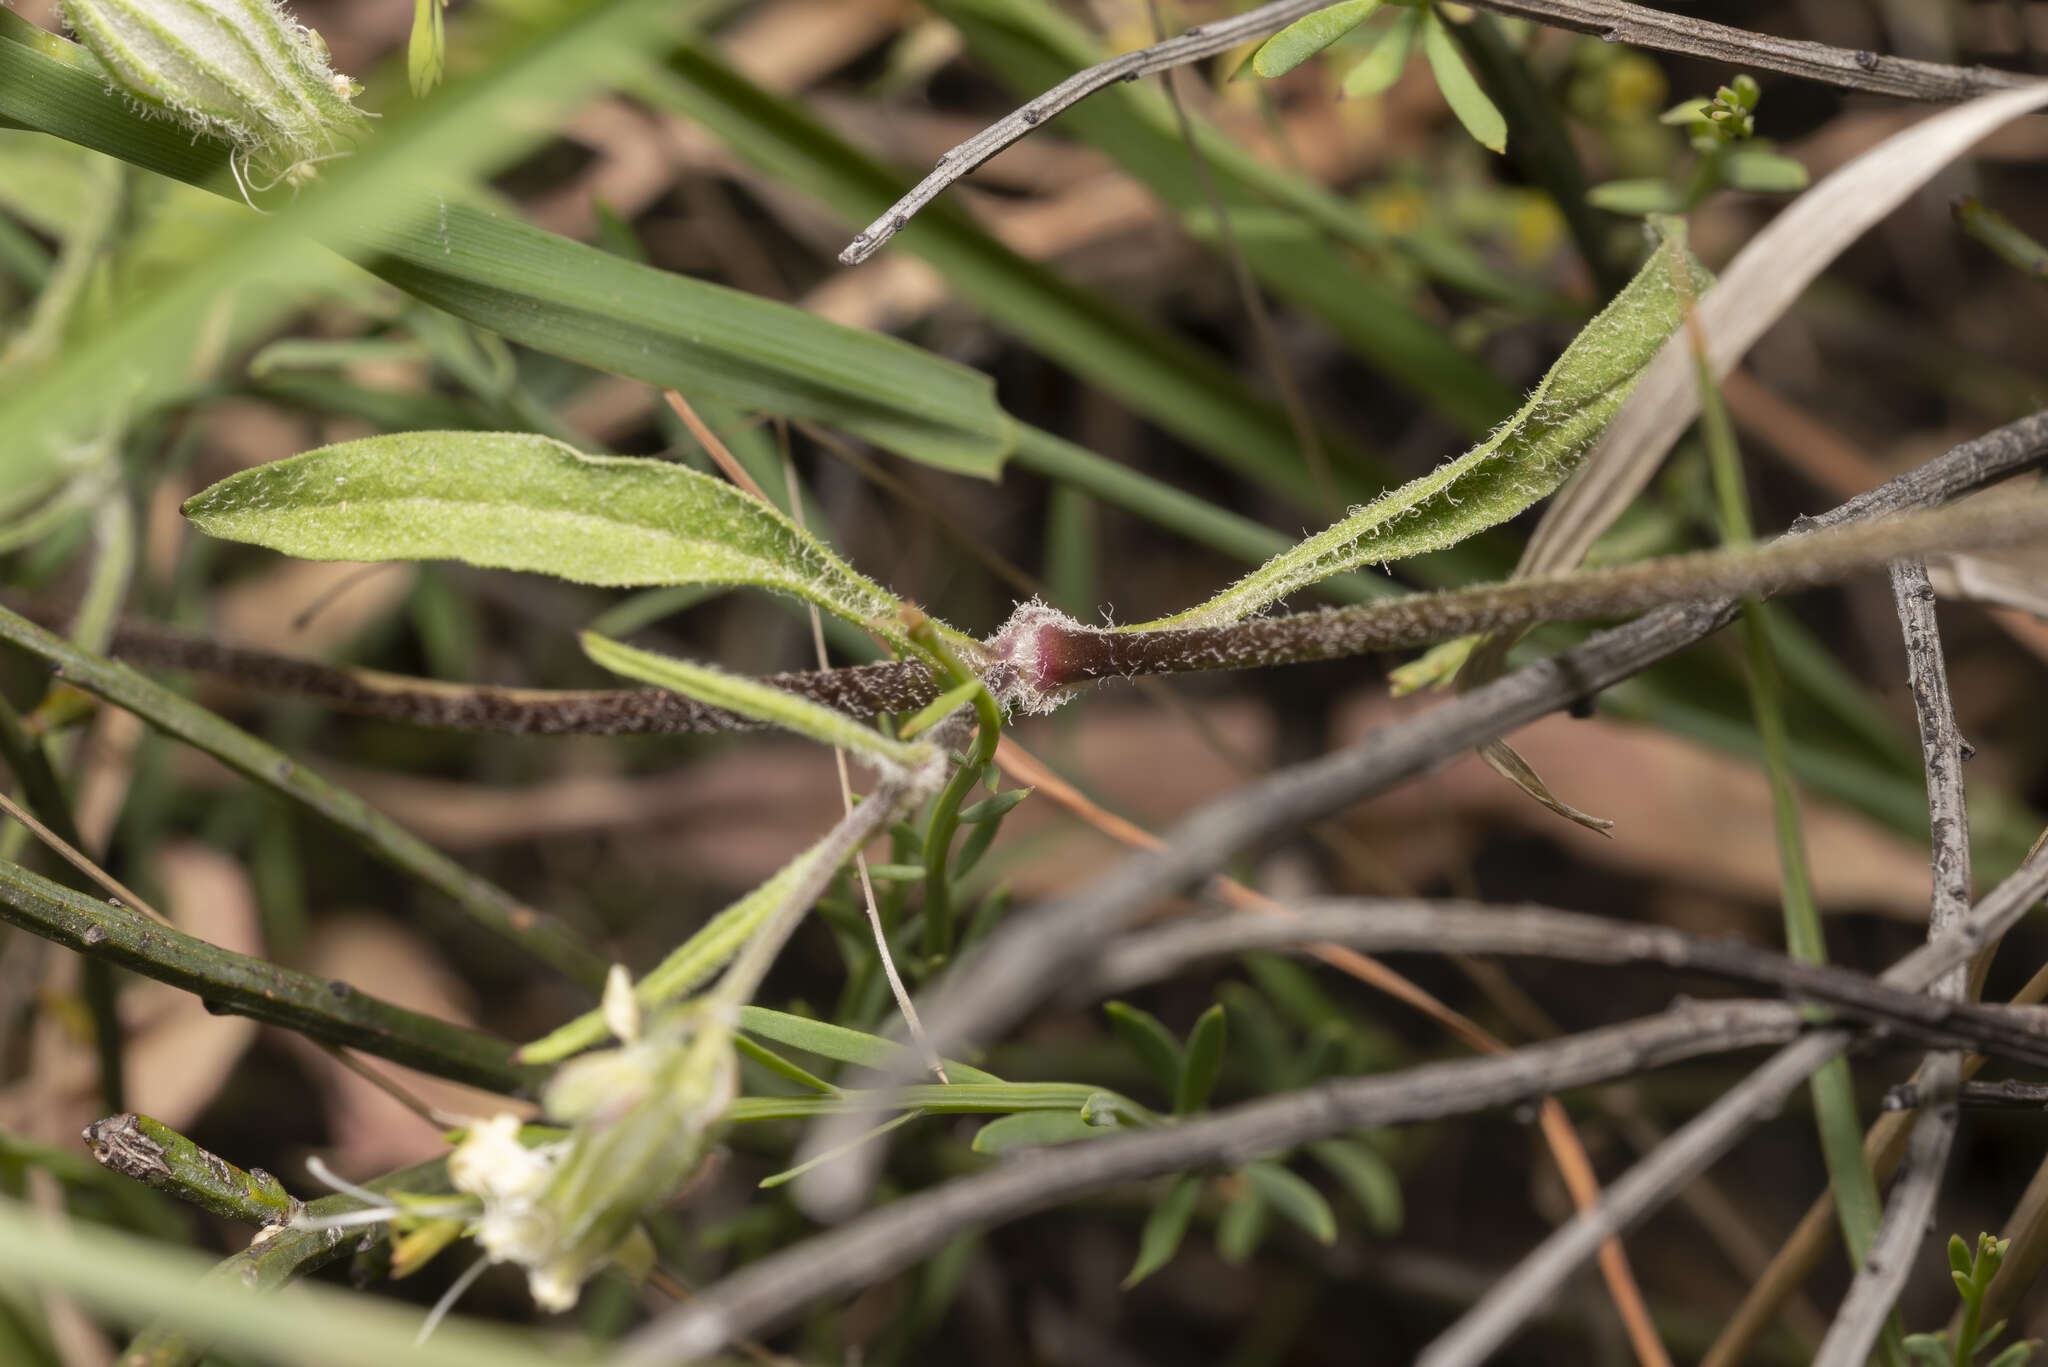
(1150, 1040)
(1295, 1198)
(1381, 67)
(1241, 1226)
(1645, 195)
(516, 501)
(1164, 1228)
(1522, 462)
(1369, 1178)
(837, 1042)
(757, 701)
(1762, 172)
(1200, 1062)
(993, 808)
(426, 50)
(1032, 1130)
(2015, 1355)
(1481, 119)
(1958, 1255)
(1928, 1349)
(1307, 36)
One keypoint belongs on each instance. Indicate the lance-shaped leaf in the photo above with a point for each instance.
(515, 501)
(1310, 34)
(1522, 462)
(758, 701)
(1482, 119)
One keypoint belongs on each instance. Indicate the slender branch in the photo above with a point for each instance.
(1616, 21)
(484, 902)
(1943, 751)
(1613, 20)
(896, 1235)
(320, 1008)
(2009, 1094)
(156, 1155)
(1428, 927)
(1882, 1276)
(1710, 1134)
(1908, 1215)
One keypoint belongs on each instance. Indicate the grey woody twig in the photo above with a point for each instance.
(898, 1234)
(1708, 1135)
(1613, 20)
(1380, 927)
(319, 1008)
(2009, 1094)
(1882, 1276)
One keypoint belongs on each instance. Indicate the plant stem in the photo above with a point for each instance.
(319, 1008)
(945, 822)
(156, 1155)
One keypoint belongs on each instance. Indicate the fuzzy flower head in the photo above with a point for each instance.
(242, 70)
(509, 1179)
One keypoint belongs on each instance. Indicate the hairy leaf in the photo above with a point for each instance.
(1522, 462)
(1307, 36)
(516, 501)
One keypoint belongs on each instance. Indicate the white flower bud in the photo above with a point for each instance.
(242, 70)
(619, 1006)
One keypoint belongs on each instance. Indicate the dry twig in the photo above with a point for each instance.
(1910, 1207)
(1616, 21)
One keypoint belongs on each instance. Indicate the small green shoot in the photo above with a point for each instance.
(1973, 1272)
(1730, 156)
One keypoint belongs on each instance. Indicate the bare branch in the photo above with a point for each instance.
(1616, 21)
(1429, 927)
(900, 1233)
(1613, 20)
(2009, 1094)
(1710, 1134)
(1882, 1277)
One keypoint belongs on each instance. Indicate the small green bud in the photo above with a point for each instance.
(243, 70)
